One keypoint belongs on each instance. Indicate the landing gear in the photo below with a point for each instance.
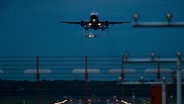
(90, 35)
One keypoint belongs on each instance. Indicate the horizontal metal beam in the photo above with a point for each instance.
(158, 24)
(145, 83)
(153, 71)
(150, 60)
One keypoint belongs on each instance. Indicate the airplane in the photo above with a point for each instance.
(94, 23)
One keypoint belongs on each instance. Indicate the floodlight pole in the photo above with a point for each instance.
(163, 92)
(122, 69)
(167, 24)
(158, 74)
(178, 62)
(37, 80)
(178, 78)
(122, 75)
(86, 79)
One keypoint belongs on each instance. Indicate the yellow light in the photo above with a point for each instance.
(116, 100)
(90, 24)
(99, 24)
(93, 20)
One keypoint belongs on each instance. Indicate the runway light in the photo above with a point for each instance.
(70, 100)
(89, 101)
(117, 100)
(79, 101)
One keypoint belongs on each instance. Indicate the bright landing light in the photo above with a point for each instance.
(89, 24)
(124, 102)
(94, 20)
(99, 24)
(62, 102)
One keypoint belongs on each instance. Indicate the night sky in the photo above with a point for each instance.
(32, 28)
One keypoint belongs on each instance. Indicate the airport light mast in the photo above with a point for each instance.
(169, 22)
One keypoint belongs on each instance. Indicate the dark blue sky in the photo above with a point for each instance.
(30, 28)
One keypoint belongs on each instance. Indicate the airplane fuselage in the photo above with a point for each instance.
(94, 23)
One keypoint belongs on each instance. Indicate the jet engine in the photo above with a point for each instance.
(106, 23)
(82, 23)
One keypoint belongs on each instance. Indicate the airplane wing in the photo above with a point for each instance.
(82, 23)
(70, 22)
(117, 22)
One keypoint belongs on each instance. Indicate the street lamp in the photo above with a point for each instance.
(169, 17)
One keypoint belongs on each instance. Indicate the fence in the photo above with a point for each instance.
(103, 79)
